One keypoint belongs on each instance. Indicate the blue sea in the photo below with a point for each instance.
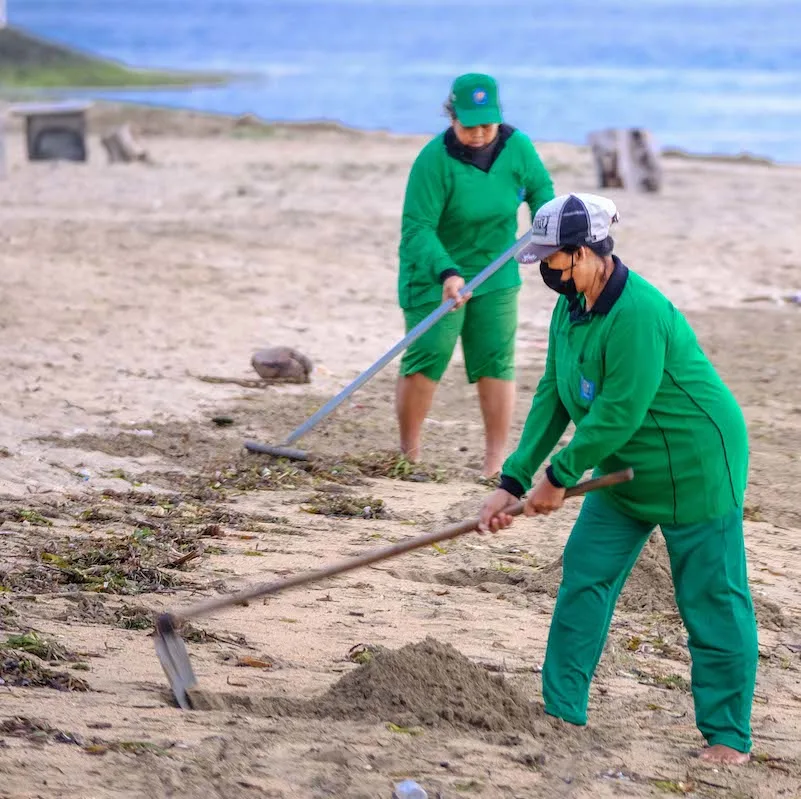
(711, 76)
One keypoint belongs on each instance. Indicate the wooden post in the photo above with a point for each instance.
(645, 160)
(122, 147)
(626, 158)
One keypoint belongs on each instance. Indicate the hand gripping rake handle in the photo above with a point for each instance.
(167, 621)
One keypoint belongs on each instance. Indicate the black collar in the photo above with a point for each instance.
(468, 155)
(607, 298)
(613, 288)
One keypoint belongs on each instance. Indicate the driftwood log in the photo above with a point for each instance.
(122, 146)
(627, 159)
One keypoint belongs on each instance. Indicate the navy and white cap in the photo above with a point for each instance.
(572, 219)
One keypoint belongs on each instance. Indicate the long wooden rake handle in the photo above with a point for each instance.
(376, 555)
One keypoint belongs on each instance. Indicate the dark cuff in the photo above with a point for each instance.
(552, 478)
(446, 273)
(511, 485)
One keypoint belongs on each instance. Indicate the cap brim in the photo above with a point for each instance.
(472, 117)
(532, 253)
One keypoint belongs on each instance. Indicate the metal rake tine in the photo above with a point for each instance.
(174, 659)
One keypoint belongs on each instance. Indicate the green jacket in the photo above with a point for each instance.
(458, 217)
(632, 377)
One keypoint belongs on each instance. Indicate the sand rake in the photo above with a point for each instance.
(286, 450)
(171, 649)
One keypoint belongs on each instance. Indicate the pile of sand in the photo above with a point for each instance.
(425, 684)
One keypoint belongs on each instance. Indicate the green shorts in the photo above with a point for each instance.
(487, 325)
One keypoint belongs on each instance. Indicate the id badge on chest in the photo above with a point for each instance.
(586, 389)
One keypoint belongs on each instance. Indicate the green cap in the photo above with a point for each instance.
(475, 100)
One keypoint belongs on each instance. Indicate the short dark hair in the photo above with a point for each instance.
(602, 248)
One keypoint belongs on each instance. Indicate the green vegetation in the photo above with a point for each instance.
(28, 62)
(34, 644)
(345, 505)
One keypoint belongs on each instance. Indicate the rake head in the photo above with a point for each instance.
(174, 659)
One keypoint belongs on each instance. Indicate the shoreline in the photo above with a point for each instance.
(254, 121)
(34, 67)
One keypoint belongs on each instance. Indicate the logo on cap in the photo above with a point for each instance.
(539, 227)
(480, 97)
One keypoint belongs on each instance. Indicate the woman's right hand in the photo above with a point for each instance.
(491, 517)
(451, 288)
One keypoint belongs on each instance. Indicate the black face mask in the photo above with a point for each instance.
(553, 279)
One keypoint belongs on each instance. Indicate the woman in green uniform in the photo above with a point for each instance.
(625, 366)
(459, 215)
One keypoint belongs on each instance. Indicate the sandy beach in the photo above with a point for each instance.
(124, 288)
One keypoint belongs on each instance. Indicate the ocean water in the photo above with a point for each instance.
(712, 76)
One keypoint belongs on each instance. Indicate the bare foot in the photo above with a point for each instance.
(724, 755)
(410, 455)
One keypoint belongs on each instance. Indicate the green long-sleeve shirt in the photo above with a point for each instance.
(459, 217)
(632, 377)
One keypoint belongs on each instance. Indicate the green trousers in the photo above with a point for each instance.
(487, 325)
(708, 564)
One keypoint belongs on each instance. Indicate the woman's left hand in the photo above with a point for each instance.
(450, 291)
(544, 499)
